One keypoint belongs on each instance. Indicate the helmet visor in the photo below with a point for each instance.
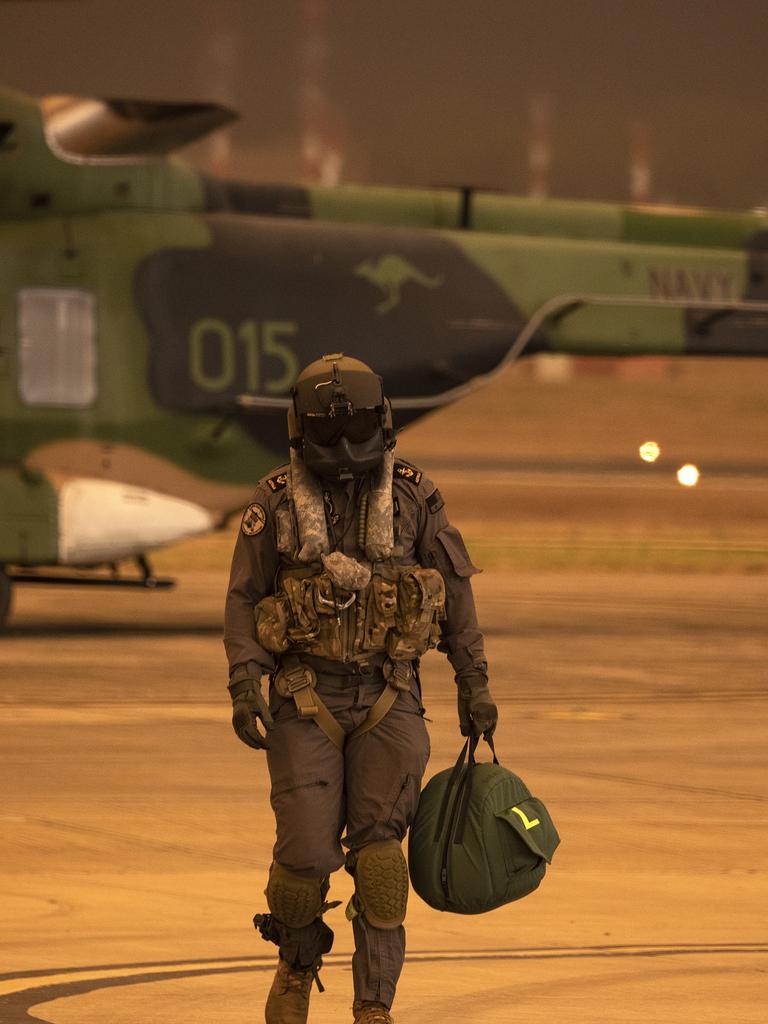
(327, 431)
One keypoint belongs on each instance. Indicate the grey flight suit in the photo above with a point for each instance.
(372, 787)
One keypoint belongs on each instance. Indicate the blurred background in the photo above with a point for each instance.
(655, 99)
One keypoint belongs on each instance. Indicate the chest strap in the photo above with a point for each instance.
(297, 680)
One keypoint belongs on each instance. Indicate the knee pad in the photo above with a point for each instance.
(381, 883)
(293, 900)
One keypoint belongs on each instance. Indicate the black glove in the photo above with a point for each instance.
(477, 711)
(249, 706)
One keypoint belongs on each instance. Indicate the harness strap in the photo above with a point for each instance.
(398, 676)
(298, 681)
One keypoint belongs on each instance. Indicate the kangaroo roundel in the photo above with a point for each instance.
(390, 273)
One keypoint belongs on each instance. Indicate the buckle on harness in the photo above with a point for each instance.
(298, 681)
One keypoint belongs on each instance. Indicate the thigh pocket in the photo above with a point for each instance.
(404, 802)
(298, 786)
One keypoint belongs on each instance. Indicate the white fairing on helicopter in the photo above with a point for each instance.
(103, 521)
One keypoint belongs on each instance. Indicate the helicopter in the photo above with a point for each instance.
(153, 319)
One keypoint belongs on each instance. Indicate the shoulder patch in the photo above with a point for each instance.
(277, 483)
(435, 501)
(254, 520)
(409, 473)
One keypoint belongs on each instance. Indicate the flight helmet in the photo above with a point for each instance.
(339, 420)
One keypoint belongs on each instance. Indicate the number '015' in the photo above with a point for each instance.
(215, 348)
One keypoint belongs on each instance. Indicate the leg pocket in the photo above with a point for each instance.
(307, 796)
(404, 804)
(292, 786)
(384, 768)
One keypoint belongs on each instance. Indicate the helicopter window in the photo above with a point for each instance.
(57, 346)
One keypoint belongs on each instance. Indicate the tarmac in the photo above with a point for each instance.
(136, 830)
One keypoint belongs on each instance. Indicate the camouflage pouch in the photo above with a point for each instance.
(328, 604)
(380, 612)
(308, 613)
(420, 605)
(299, 595)
(346, 573)
(272, 622)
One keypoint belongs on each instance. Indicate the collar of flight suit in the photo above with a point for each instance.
(305, 495)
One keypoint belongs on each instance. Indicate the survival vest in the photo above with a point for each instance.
(397, 611)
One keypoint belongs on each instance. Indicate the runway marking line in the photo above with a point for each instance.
(728, 794)
(55, 983)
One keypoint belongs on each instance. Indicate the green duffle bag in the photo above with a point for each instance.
(479, 839)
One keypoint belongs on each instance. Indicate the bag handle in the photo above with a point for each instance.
(464, 797)
(449, 789)
(467, 751)
(489, 741)
(461, 820)
(474, 742)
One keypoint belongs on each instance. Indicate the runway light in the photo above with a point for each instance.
(688, 475)
(649, 451)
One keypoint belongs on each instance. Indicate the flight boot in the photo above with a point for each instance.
(288, 999)
(371, 1013)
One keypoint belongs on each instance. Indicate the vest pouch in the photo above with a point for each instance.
(272, 622)
(330, 614)
(380, 612)
(299, 595)
(420, 604)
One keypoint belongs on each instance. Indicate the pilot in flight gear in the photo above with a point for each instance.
(345, 571)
